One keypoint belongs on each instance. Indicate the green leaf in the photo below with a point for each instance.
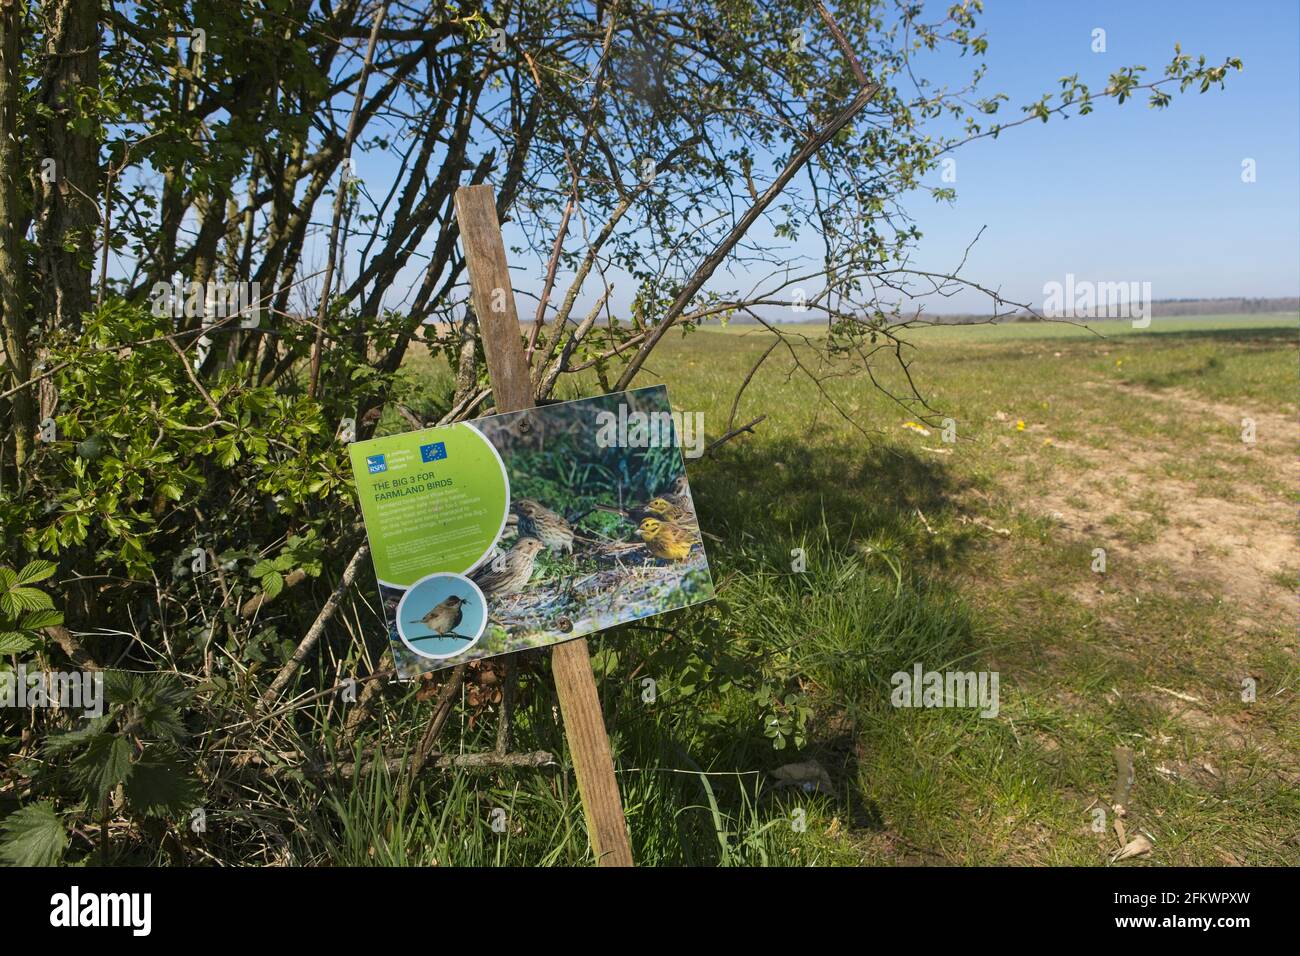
(46, 617)
(104, 764)
(169, 490)
(162, 788)
(58, 743)
(33, 836)
(272, 583)
(11, 642)
(35, 571)
(26, 599)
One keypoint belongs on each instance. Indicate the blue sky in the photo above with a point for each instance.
(1127, 193)
(1130, 192)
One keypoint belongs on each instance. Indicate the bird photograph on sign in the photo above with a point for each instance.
(529, 528)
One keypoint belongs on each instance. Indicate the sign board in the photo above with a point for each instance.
(529, 528)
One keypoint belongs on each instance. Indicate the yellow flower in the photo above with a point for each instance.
(1020, 424)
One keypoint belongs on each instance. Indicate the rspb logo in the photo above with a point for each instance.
(435, 452)
(376, 464)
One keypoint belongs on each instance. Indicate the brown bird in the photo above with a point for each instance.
(538, 521)
(680, 493)
(444, 617)
(508, 573)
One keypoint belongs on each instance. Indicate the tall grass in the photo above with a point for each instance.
(694, 765)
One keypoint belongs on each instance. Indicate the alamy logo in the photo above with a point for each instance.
(651, 430)
(923, 688)
(1082, 299)
(216, 300)
(65, 690)
(75, 908)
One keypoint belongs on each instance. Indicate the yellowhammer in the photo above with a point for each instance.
(665, 510)
(665, 539)
(674, 504)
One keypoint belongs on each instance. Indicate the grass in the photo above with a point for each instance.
(1132, 444)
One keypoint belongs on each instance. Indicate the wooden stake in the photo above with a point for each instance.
(494, 305)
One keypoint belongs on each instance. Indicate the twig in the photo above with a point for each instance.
(923, 521)
(558, 366)
(478, 761)
(733, 433)
(540, 320)
(189, 372)
(412, 419)
(441, 711)
(366, 701)
(465, 406)
(72, 647)
(735, 405)
(842, 42)
(507, 703)
(308, 643)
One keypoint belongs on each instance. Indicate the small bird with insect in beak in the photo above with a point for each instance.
(445, 617)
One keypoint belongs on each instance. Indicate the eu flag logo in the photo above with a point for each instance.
(435, 452)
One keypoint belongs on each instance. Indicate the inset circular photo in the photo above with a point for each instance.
(441, 615)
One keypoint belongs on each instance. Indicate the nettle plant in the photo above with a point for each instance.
(129, 764)
(126, 760)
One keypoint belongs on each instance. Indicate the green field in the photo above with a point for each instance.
(971, 555)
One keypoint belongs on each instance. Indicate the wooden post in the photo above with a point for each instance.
(494, 304)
